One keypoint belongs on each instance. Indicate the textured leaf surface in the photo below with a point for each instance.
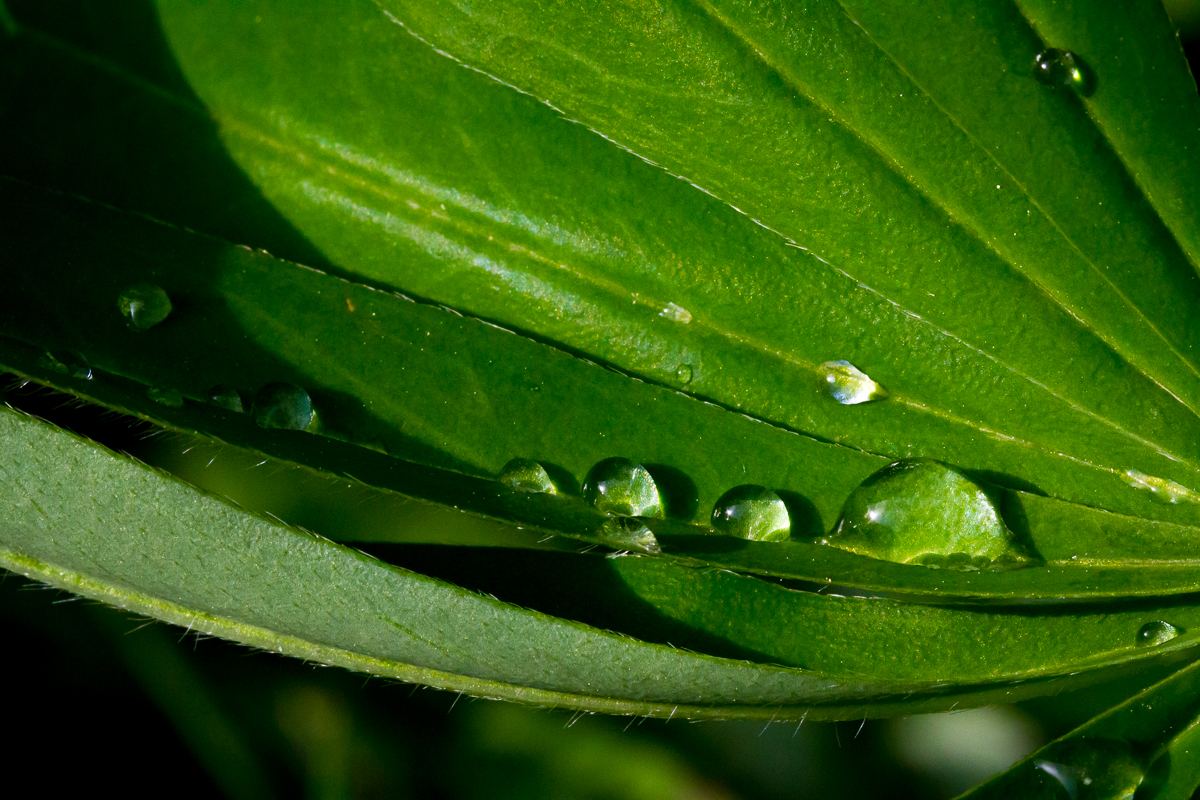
(399, 364)
(573, 232)
(135, 534)
(134, 537)
(907, 221)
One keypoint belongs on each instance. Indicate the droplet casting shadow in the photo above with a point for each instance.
(679, 495)
(806, 519)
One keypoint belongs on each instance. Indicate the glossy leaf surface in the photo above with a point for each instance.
(578, 232)
(1068, 419)
(517, 382)
(1145, 745)
(156, 546)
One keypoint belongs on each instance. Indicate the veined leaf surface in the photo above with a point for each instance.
(572, 232)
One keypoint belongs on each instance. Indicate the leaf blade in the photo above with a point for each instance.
(917, 419)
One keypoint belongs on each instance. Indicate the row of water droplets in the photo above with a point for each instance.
(145, 306)
(915, 511)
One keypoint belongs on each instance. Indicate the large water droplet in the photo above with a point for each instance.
(921, 511)
(1055, 67)
(286, 406)
(848, 385)
(226, 397)
(144, 305)
(752, 512)
(1161, 489)
(684, 374)
(166, 397)
(627, 533)
(1092, 769)
(619, 486)
(73, 365)
(1156, 633)
(525, 475)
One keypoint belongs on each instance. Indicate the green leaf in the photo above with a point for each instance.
(738, 616)
(1144, 745)
(697, 92)
(154, 545)
(383, 370)
(141, 540)
(249, 307)
(653, 232)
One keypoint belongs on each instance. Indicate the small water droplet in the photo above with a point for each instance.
(1156, 633)
(144, 305)
(1092, 769)
(627, 533)
(525, 475)
(71, 364)
(684, 374)
(166, 397)
(845, 383)
(1055, 67)
(676, 313)
(285, 406)
(1161, 489)
(227, 397)
(752, 512)
(922, 511)
(619, 486)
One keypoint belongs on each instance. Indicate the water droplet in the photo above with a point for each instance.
(848, 385)
(921, 511)
(1055, 67)
(627, 533)
(286, 406)
(619, 486)
(226, 397)
(1161, 489)
(527, 476)
(1156, 633)
(144, 305)
(1092, 769)
(676, 313)
(752, 512)
(684, 374)
(166, 397)
(73, 365)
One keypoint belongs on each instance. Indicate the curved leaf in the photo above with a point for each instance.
(641, 231)
(1144, 745)
(153, 545)
(684, 87)
(252, 309)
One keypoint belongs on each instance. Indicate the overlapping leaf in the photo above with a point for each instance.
(715, 198)
(1004, 348)
(1142, 746)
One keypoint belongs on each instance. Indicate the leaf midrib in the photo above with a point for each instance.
(927, 198)
(309, 149)
(951, 214)
(939, 413)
